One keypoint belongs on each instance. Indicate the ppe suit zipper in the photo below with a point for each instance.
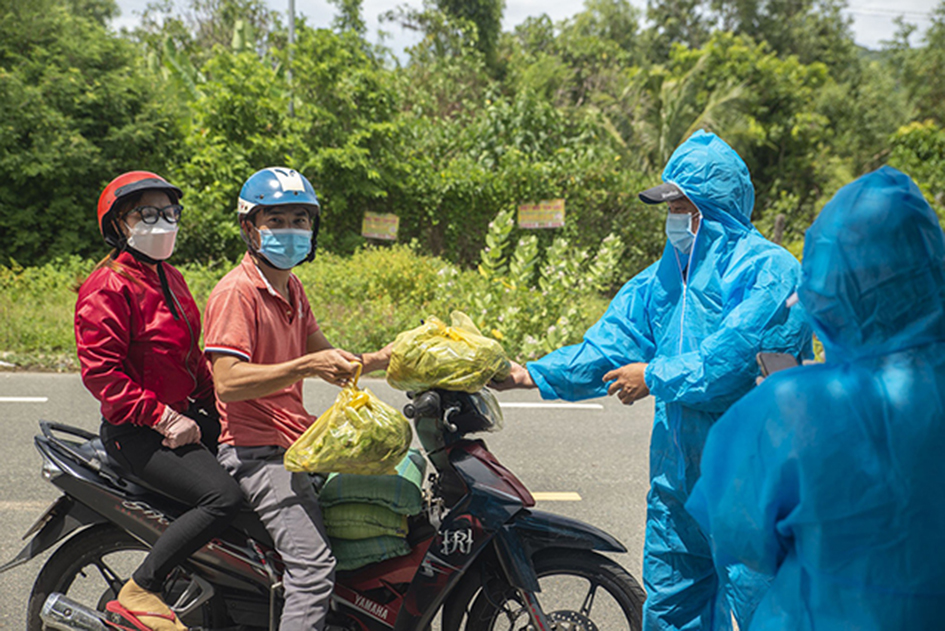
(677, 429)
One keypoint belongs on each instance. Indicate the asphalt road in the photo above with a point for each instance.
(597, 450)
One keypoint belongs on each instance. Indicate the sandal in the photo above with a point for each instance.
(131, 617)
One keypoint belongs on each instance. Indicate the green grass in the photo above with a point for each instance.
(36, 313)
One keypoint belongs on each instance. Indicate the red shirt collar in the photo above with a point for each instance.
(262, 283)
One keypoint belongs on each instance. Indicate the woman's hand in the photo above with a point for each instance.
(177, 429)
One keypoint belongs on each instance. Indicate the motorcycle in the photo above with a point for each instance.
(481, 555)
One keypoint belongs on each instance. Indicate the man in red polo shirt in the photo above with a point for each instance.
(263, 340)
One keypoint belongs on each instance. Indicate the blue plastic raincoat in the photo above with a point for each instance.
(837, 484)
(699, 333)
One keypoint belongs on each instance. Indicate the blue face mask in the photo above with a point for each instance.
(679, 231)
(285, 248)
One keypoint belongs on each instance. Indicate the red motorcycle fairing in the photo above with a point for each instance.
(376, 591)
(494, 495)
(390, 572)
(502, 479)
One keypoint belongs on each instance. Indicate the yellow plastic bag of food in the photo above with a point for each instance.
(456, 357)
(358, 434)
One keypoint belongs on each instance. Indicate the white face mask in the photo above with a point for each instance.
(679, 231)
(155, 240)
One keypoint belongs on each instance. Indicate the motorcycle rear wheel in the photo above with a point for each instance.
(580, 591)
(90, 568)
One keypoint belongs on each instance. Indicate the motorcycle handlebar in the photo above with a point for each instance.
(425, 405)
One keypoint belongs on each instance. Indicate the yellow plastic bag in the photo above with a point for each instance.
(456, 357)
(358, 434)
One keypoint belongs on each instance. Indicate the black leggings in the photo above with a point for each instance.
(189, 474)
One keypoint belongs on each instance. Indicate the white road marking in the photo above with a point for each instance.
(572, 406)
(557, 496)
(24, 399)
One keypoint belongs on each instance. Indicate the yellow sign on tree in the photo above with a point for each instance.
(545, 214)
(380, 226)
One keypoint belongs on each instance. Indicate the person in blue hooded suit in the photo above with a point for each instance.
(830, 476)
(687, 330)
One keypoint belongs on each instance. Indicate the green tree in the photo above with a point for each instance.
(921, 70)
(79, 108)
(813, 30)
(486, 15)
(598, 44)
(348, 105)
(918, 149)
(683, 22)
(671, 107)
(783, 137)
(239, 125)
(350, 17)
(100, 11)
(616, 21)
(863, 114)
(585, 60)
(339, 137)
(205, 24)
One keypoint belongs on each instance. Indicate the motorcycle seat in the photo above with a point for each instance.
(94, 452)
(247, 520)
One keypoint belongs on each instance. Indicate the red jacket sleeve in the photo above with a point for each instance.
(103, 319)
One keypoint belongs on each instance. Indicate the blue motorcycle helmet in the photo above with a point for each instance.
(277, 186)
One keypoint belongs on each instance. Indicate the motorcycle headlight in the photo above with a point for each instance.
(488, 407)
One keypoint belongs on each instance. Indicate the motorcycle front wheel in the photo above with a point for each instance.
(580, 591)
(90, 569)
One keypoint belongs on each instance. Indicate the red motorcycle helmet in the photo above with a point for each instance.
(121, 188)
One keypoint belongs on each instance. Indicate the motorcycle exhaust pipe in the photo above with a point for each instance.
(64, 614)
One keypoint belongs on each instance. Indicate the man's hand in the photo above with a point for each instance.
(518, 378)
(238, 380)
(333, 365)
(628, 383)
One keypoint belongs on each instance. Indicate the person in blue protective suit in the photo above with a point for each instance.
(830, 476)
(687, 330)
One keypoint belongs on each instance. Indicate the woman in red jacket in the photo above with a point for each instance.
(137, 329)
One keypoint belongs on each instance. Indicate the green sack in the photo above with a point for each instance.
(352, 554)
(456, 357)
(363, 521)
(401, 492)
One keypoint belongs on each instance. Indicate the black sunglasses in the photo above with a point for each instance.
(150, 214)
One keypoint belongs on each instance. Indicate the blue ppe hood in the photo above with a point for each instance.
(714, 178)
(874, 269)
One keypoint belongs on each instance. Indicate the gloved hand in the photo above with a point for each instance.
(177, 429)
